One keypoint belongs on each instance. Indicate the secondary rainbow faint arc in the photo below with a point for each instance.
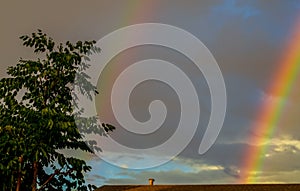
(133, 13)
(267, 119)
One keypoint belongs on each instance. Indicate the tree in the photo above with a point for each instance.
(37, 117)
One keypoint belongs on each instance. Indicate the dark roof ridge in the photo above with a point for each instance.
(203, 187)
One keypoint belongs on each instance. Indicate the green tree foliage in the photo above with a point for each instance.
(37, 117)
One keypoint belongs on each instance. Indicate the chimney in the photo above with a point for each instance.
(151, 181)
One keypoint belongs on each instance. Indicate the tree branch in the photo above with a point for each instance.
(56, 173)
(50, 178)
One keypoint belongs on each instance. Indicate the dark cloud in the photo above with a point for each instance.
(232, 172)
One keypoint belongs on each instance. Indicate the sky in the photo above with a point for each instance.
(250, 41)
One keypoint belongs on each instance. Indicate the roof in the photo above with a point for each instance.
(228, 187)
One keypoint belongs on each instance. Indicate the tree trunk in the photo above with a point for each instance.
(35, 172)
(18, 182)
(19, 173)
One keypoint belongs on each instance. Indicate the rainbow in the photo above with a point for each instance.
(268, 118)
(132, 13)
